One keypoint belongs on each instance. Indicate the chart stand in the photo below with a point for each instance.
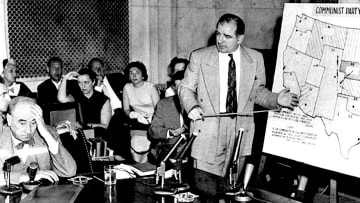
(334, 196)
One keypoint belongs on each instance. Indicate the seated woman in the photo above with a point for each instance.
(95, 106)
(139, 100)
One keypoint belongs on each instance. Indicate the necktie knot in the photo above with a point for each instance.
(30, 142)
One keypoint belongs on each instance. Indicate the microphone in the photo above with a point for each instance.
(9, 162)
(9, 189)
(31, 170)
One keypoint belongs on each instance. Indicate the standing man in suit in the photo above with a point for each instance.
(47, 90)
(209, 88)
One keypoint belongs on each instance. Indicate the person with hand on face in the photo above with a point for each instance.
(27, 137)
(110, 84)
(47, 90)
(226, 79)
(95, 106)
(176, 65)
(8, 72)
(139, 100)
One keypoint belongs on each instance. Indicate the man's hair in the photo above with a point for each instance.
(90, 73)
(228, 17)
(95, 60)
(138, 65)
(17, 100)
(10, 61)
(175, 61)
(54, 59)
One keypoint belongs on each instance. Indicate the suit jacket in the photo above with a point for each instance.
(61, 163)
(200, 87)
(24, 91)
(166, 117)
(47, 92)
(117, 82)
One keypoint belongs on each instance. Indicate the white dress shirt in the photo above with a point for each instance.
(224, 59)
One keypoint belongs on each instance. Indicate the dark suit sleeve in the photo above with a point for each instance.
(25, 91)
(158, 129)
(41, 93)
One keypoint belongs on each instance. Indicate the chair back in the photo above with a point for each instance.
(57, 112)
(79, 150)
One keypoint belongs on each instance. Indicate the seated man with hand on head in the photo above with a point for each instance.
(27, 137)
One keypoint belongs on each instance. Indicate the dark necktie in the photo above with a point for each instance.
(231, 98)
(30, 142)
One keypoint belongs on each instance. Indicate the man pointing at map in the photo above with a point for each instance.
(227, 79)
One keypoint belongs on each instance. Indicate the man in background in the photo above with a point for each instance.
(169, 122)
(27, 137)
(47, 90)
(111, 85)
(9, 75)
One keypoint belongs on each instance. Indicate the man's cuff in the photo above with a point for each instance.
(168, 136)
(196, 106)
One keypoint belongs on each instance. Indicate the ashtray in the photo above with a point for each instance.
(79, 180)
(31, 185)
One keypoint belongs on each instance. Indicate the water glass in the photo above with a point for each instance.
(110, 175)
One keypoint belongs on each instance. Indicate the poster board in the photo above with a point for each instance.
(319, 60)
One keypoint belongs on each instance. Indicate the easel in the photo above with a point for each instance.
(273, 197)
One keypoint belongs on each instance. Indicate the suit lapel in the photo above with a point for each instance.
(247, 75)
(211, 78)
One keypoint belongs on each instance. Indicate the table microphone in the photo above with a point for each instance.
(31, 170)
(9, 189)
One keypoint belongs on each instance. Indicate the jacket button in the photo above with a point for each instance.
(201, 100)
(199, 131)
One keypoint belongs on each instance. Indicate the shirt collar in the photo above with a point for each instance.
(236, 53)
(57, 84)
(14, 140)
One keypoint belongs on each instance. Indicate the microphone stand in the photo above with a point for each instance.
(160, 171)
(9, 189)
(241, 195)
(32, 183)
(182, 186)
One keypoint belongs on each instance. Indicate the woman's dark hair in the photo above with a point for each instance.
(138, 65)
(175, 61)
(90, 73)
